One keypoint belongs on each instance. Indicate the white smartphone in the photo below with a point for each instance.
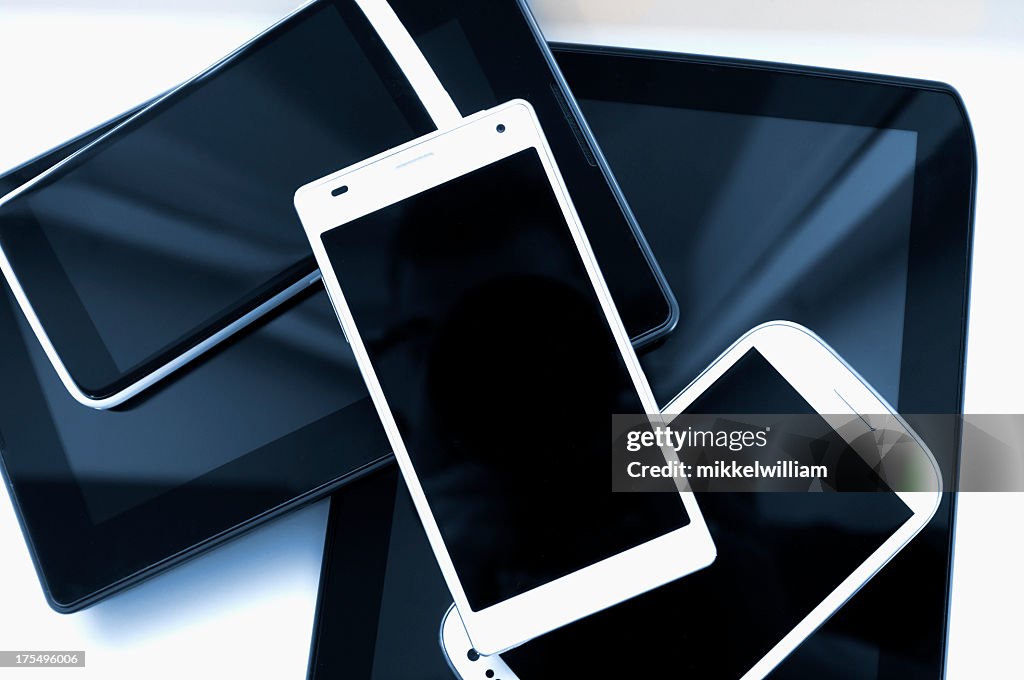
(495, 357)
(786, 561)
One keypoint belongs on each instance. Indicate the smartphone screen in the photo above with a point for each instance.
(779, 555)
(502, 372)
(182, 220)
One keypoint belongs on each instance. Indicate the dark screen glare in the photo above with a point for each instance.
(756, 218)
(492, 349)
(187, 212)
(779, 556)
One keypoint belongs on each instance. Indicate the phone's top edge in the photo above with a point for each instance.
(318, 185)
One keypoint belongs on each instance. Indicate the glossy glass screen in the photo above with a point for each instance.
(756, 218)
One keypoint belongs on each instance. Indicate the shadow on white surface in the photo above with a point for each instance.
(272, 561)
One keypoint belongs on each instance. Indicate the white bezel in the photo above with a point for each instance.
(833, 388)
(416, 167)
(424, 82)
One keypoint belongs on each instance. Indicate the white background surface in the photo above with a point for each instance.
(245, 610)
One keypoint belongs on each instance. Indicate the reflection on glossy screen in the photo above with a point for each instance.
(754, 218)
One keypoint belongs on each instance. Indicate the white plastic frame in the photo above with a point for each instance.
(413, 168)
(428, 88)
(832, 387)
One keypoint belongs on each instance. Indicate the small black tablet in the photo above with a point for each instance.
(841, 201)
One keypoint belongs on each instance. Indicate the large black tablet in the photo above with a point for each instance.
(841, 201)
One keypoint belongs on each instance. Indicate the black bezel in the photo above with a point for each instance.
(82, 350)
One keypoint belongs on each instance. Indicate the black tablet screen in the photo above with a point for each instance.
(756, 218)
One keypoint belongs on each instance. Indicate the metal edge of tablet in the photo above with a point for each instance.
(422, 79)
(672, 320)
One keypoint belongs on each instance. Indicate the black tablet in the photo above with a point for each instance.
(841, 201)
